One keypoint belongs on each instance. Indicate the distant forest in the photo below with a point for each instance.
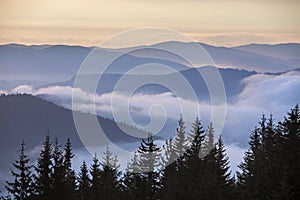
(196, 168)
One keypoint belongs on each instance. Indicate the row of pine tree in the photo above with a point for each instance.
(190, 166)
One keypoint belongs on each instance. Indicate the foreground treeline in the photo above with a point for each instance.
(190, 166)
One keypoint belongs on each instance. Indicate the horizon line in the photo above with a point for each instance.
(121, 47)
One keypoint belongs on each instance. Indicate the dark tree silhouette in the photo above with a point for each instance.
(95, 179)
(224, 182)
(43, 171)
(84, 182)
(148, 163)
(132, 179)
(291, 149)
(190, 174)
(58, 172)
(189, 168)
(180, 139)
(22, 186)
(109, 175)
(249, 175)
(69, 173)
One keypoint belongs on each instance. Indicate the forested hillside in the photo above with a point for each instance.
(190, 166)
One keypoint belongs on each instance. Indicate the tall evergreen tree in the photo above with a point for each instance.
(148, 163)
(197, 137)
(249, 179)
(109, 176)
(22, 186)
(95, 179)
(43, 171)
(132, 179)
(224, 182)
(209, 140)
(169, 179)
(84, 182)
(169, 154)
(180, 140)
(69, 173)
(192, 174)
(216, 180)
(58, 172)
(270, 146)
(291, 148)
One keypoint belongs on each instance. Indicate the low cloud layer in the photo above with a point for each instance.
(266, 94)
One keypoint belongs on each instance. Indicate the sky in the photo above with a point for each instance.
(90, 22)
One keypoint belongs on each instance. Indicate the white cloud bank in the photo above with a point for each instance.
(267, 94)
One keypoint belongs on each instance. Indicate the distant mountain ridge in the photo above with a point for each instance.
(232, 79)
(60, 62)
(285, 51)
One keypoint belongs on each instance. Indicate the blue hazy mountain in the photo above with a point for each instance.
(232, 79)
(286, 51)
(54, 63)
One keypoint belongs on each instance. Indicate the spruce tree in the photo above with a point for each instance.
(209, 140)
(169, 154)
(148, 164)
(249, 177)
(224, 182)
(43, 171)
(132, 179)
(197, 137)
(69, 173)
(109, 176)
(95, 179)
(84, 182)
(190, 177)
(22, 186)
(180, 140)
(209, 169)
(271, 169)
(291, 149)
(169, 179)
(58, 172)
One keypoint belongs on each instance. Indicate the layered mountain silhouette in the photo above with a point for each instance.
(31, 118)
(232, 79)
(54, 63)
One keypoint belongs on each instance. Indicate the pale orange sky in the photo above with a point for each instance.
(89, 22)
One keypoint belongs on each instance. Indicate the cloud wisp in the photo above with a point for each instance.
(263, 93)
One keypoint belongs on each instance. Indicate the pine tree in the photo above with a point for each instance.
(95, 179)
(21, 188)
(197, 137)
(209, 140)
(169, 154)
(58, 172)
(43, 171)
(148, 163)
(208, 175)
(109, 176)
(249, 176)
(271, 169)
(224, 182)
(190, 176)
(69, 173)
(132, 179)
(291, 149)
(84, 182)
(180, 140)
(169, 179)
